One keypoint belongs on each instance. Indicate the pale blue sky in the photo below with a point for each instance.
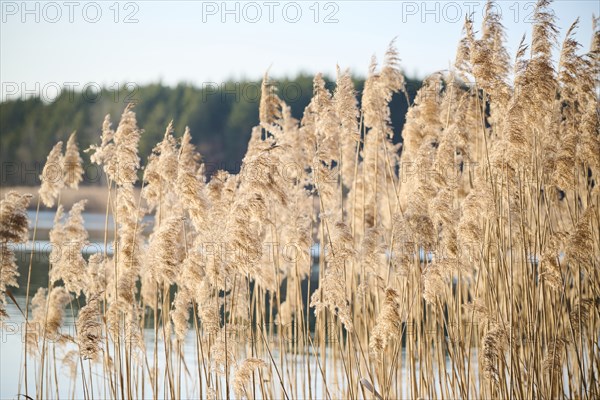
(187, 41)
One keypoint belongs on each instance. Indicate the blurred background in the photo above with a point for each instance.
(65, 65)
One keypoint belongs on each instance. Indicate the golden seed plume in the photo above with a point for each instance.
(52, 176)
(89, 330)
(47, 316)
(14, 222)
(244, 373)
(269, 101)
(165, 250)
(119, 149)
(73, 169)
(388, 322)
(68, 240)
(553, 362)
(181, 312)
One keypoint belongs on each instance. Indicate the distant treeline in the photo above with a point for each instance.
(220, 117)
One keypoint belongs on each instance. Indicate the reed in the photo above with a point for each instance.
(463, 263)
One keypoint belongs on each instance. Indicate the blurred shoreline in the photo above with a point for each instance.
(96, 197)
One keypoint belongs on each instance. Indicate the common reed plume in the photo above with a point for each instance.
(539, 76)
(244, 373)
(96, 276)
(433, 282)
(129, 244)
(563, 165)
(209, 315)
(581, 314)
(222, 355)
(388, 322)
(374, 261)
(494, 346)
(8, 275)
(332, 292)
(126, 161)
(259, 185)
(52, 177)
(89, 330)
(550, 263)
(14, 225)
(165, 251)
(221, 192)
(47, 317)
(476, 233)
(118, 151)
(269, 102)
(320, 126)
(72, 162)
(346, 107)
(70, 363)
(181, 312)
(488, 61)
(190, 184)
(161, 172)
(189, 156)
(104, 152)
(580, 241)
(379, 88)
(14, 222)
(423, 118)
(67, 241)
(478, 203)
(553, 362)
(479, 312)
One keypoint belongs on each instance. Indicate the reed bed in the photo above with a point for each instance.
(463, 263)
